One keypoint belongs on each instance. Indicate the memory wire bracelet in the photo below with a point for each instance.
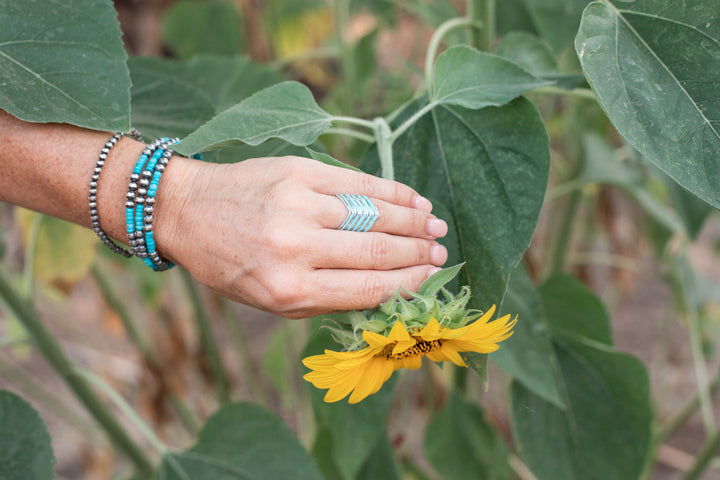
(140, 204)
(92, 196)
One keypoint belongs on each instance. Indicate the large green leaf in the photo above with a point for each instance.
(25, 450)
(468, 78)
(64, 62)
(655, 68)
(354, 430)
(286, 110)
(241, 442)
(489, 169)
(461, 445)
(175, 98)
(201, 27)
(605, 430)
(571, 308)
(528, 355)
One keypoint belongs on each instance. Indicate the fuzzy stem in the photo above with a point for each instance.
(383, 136)
(350, 133)
(56, 357)
(410, 121)
(582, 93)
(438, 36)
(355, 121)
(207, 341)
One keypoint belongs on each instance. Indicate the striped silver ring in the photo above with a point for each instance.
(362, 213)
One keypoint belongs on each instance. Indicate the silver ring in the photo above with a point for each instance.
(362, 213)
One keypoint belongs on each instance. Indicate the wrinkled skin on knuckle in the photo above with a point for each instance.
(371, 291)
(375, 251)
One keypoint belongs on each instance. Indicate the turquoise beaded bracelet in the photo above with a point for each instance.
(139, 207)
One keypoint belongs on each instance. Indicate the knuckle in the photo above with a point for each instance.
(378, 250)
(282, 294)
(367, 185)
(374, 289)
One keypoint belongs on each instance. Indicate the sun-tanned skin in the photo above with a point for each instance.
(262, 232)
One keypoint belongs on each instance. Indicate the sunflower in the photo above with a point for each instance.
(364, 371)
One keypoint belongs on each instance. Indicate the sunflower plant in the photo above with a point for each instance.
(399, 334)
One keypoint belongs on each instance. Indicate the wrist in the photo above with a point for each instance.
(171, 227)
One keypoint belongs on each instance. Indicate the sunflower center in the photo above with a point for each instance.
(422, 347)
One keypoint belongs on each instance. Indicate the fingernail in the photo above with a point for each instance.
(436, 227)
(438, 254)
(421, 203)
(432, 271)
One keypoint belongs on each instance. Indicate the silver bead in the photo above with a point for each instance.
(160, 167)
(102, 156)
(139, 235)
(94, 218)
(142, 191)
(144, 182)
(149, 209)
(133, 243)
(150, 201)
(93, 211)
(148, 219)
(134, 177)
(93, 184)
(93, 204)
(105, 150)
(148, 227)
(132, 186)
(130, 195)
(146, 151)
(147, 174)
(98, 170)
(140, 200)
(129, 204)
(93, 191)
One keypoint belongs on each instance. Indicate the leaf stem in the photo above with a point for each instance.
(410, 121)
(56, 357)
(438, 36)
(583, 93)
(207, 341)
(349, 133)
(383, 136)
(354, 120)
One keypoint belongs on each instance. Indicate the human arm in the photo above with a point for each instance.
(262, 231)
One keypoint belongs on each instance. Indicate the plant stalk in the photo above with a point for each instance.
(438, 36)
(685, 413)
(56, 357)
(119, 307)
(712, 445)
(562, 239)
(347, 63)
(383, 136)
(482, 11)
(207, 341)
(349, 133)
(582, 93)
(410, 121)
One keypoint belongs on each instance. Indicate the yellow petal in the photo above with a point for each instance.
(372, 379)
(431, 331)
(447, 354)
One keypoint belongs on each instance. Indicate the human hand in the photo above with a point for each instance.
(264, 232)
